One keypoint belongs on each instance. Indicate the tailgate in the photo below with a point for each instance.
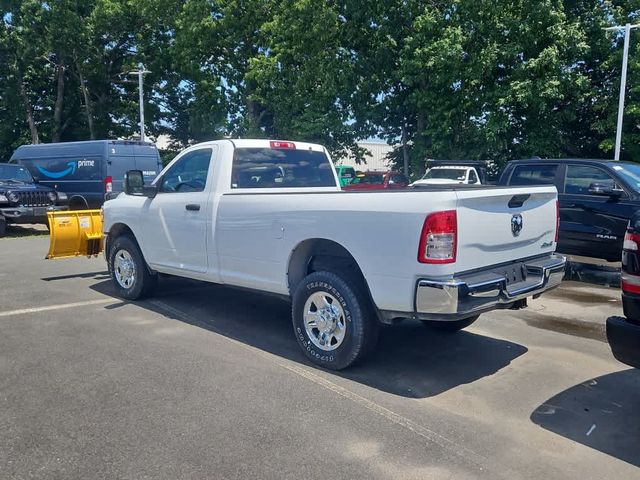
(499, 225)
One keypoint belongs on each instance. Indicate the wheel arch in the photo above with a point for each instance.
(321, 254)
(119, 229)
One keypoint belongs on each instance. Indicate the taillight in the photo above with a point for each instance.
(108, 185)
(439, 238)
(630, 283)
(286, 145)
(631, 242)
(557, 220)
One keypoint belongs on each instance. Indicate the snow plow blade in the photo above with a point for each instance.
(75, 233)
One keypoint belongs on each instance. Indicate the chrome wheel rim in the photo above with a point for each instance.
(124, 269)
(324, 321)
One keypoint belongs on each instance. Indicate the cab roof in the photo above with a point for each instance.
(265, 143)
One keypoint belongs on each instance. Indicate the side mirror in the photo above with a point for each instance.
(604, 190)
(134, 185)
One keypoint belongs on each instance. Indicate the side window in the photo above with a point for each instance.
(473, 178)
(189, 174)
(580, 177)
(541, 174)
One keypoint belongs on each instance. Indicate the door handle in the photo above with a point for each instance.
(192, 207)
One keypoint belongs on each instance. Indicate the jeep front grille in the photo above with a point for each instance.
(34, 199)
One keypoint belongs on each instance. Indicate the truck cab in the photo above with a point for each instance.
(449, 174)
(346, 174)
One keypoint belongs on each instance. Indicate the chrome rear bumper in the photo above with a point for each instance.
(495, 287)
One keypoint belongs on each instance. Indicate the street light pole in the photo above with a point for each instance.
(140, 73)
(623, 83)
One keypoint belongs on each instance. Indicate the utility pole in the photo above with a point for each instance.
(623, 82)
(140, 73)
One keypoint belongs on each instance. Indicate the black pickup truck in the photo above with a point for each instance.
(597, 199)
(22, 200)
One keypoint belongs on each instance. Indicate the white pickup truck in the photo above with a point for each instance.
(270, 216)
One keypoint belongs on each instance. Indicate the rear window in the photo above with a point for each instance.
(280, 168)
(446, 173)
(543, 174)
(348, 173)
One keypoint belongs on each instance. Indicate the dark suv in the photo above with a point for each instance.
(597, 198)
(22, 200)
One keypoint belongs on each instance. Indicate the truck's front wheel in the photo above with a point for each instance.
(333, 320)
(128, 270)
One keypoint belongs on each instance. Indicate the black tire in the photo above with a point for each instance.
(450, 326)
(3, 227)
(361, 324)
(143, 281)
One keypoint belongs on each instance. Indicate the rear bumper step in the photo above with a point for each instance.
(494, 287)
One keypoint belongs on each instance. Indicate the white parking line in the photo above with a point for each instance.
(60, 306)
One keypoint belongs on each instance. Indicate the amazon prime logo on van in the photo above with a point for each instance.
(70, 170)
(516, 224)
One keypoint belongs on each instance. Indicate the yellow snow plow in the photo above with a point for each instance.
(75, 233)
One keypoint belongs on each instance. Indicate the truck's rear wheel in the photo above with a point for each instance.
(128, 270)
(333, 320)
(450, 326)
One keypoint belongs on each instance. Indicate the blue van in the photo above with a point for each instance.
(88, 172)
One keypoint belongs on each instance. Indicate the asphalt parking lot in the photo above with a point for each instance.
(204, 381)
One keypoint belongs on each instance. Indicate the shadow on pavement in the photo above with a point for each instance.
(602, 413)
(17, 231)
(410, 360)
(101, 275)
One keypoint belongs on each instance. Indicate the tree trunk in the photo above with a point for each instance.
(57, 112)
(87, 102)
(35, 138)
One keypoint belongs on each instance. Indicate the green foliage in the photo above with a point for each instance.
(491, 80)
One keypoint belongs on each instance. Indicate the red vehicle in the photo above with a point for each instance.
(378, 181)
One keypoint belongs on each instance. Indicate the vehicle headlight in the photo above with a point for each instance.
(62, 196)
(3, 198)
(53, 197)
(13, 197)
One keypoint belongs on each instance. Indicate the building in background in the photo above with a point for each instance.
(377, 161)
